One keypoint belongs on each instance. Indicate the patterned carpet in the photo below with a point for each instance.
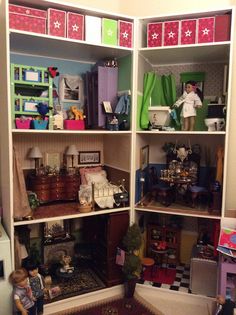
(81, 281)
(115, 306)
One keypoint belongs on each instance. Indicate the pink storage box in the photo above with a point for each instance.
(154, 34)
(125, 33)
(188, 32)
(171, 33)
(23, 123)
(206, 28)
(27, 19)
(56, 22)
(222, 27)
(74, 124)
(75, 26)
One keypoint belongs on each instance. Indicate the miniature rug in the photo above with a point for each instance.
(160, 275)
(115, 306)
(82, 281)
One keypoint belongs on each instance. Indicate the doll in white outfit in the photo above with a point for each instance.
(190, 101)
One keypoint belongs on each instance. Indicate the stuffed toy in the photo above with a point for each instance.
(53, 72)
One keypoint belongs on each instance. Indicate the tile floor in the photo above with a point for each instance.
(181, 282)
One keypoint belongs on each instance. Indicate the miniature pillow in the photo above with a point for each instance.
(86, 170)
(97, 178)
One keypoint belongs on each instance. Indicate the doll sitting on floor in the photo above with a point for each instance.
(190, 100)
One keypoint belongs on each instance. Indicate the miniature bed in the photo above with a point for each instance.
(96, 189)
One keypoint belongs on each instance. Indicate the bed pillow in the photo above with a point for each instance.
(97, 178)
(86, 170)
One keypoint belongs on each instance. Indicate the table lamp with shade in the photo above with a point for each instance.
(72, 152)
(35, 153)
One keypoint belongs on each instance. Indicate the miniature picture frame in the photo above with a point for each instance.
(31, 75)
(89, 157)
(52, 159)
(144, 157)
(107, 107)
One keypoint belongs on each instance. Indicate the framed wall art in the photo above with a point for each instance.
(144, 157)
(89, 157)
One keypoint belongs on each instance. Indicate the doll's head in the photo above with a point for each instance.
(19, 277)
(32, 269)
(190, 86)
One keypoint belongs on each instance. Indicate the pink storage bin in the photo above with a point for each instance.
(27, 19)
(154, 34)
(74, 124)
(56, 22)
(75, 26)
(171, 33)
(22, 123)
(206, 29)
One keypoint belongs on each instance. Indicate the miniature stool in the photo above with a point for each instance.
(147, 263)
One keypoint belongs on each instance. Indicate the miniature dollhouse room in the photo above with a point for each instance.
(101, 130)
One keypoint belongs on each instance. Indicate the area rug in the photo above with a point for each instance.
(82, 281)
(160, 275)
(115, 306)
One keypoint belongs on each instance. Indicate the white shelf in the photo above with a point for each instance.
(172, 211)
(184, 54)
(153, 132)
(73, 216)
(67, 132)
(62, 48)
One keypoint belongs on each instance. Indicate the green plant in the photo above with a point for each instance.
(132, 242)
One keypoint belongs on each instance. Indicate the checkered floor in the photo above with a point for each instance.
(181, 282)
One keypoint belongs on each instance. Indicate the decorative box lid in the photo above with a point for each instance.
(27, 11)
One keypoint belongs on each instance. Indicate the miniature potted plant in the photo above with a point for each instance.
(132, 265)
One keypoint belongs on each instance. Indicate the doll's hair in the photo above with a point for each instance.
(17, 276)
(31, 265)
(197, 90)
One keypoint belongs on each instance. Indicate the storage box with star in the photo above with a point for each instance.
(93, 29)
(27, 19)
(222, 27)
(56, 22)
(75, 26)
(109, 31)
(188, 32)
(125, 33)
(171, 33)
(154, 34)
(205, 30)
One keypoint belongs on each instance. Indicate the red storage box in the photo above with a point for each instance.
(74, 124)
(206, 30)
(22, 123)
(188, 32)
(27, 19)
(222, 27)
(75, 26)
(56, 22)
(125, 33)
(154, 34)
(171, 33)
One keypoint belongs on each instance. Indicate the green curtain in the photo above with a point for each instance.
(161, 90)
(194, 76)
(164, 92)
(148, 85)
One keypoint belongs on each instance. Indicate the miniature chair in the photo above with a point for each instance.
(196, 193)
(147, 263)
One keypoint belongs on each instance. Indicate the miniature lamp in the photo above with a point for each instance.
(72, 151)
(35, 154)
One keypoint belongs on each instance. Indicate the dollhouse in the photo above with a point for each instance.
(172, 182)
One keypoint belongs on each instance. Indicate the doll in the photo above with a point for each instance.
(22, 293)
(224, 306)
(36, 282)
(190, 100)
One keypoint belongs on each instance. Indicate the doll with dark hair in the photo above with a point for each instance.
(36, 282)
(190, 100)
